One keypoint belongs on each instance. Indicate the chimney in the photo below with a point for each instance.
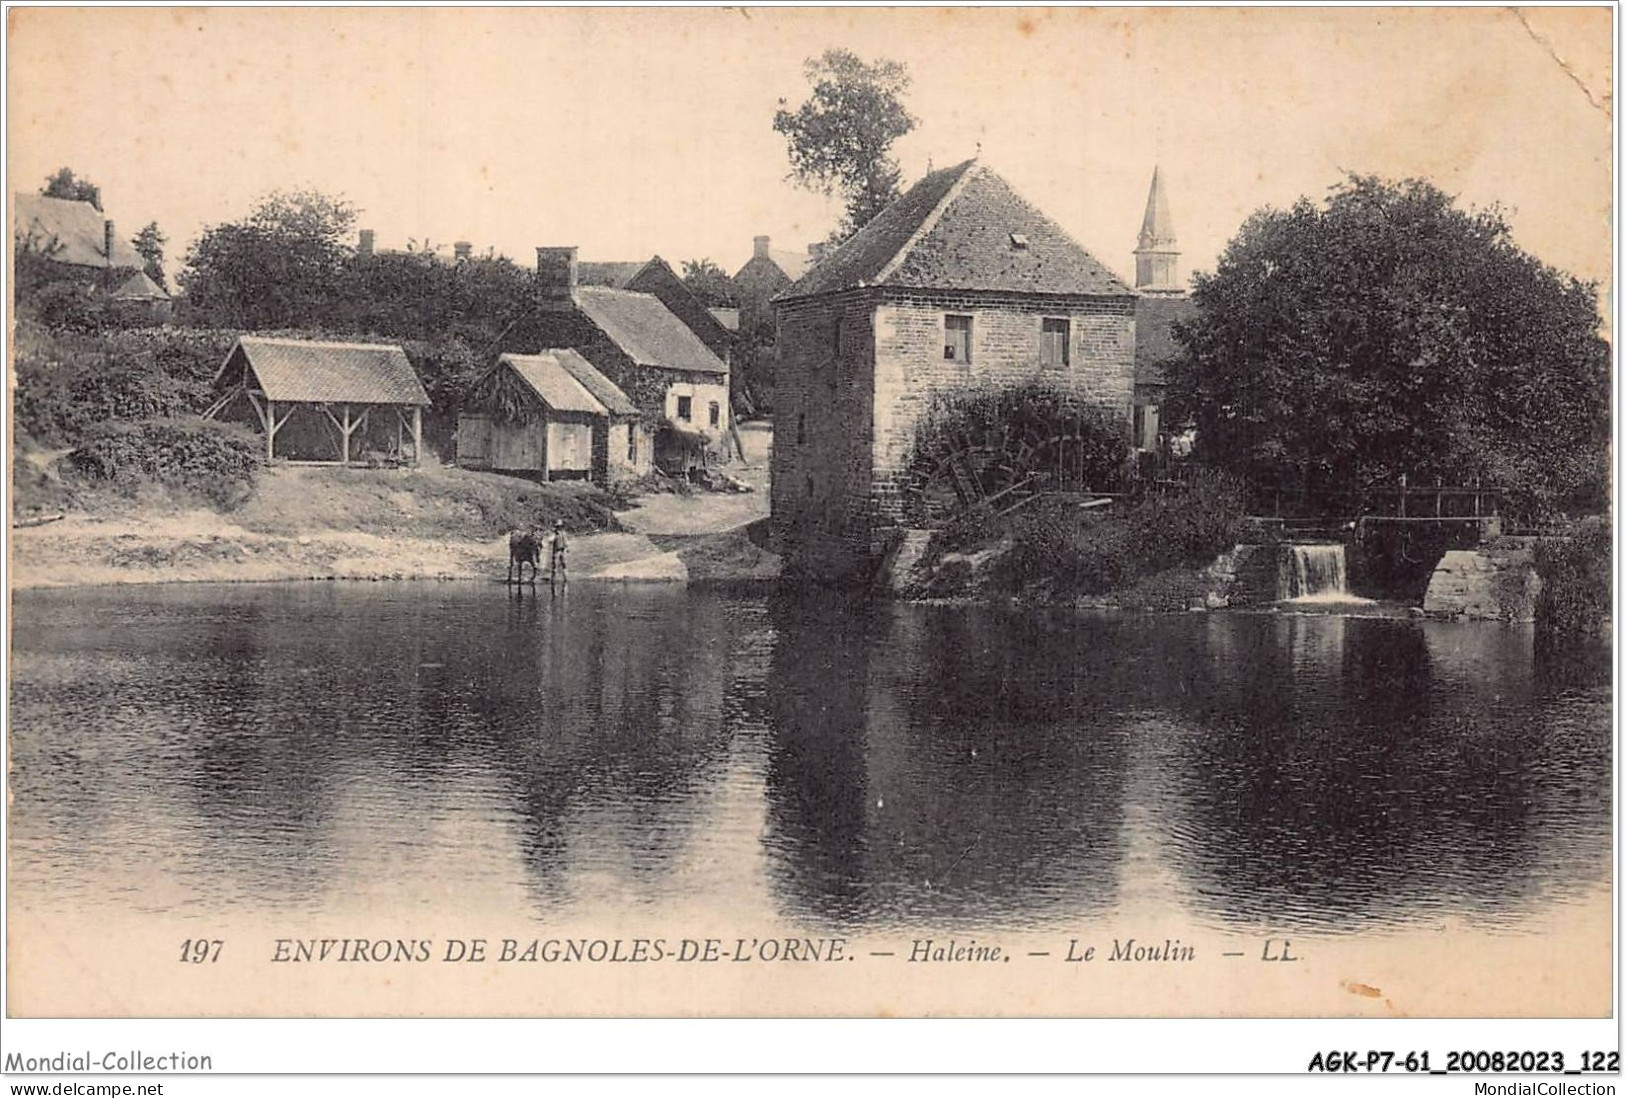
(108, 236)
(364, 248)
(463, 251)
(762, 243)
(556, 273)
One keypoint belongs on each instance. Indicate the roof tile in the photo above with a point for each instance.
(957, 229)
(75, 232)
(649, 333)
(309, 371)
(550, 381)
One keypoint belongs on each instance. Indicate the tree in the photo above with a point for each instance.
(64, 184)
(280, 267)
(1388, 333)
(414, 295)
(840, 139)
(710, 283)
(149, 242)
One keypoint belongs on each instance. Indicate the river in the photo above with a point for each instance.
(835, 766)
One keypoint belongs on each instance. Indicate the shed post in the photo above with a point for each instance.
(345, 430)
(270, 430)
(417, 435)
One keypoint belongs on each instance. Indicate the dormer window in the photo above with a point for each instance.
(1018, 241)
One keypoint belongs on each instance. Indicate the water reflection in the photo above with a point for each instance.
(922, 773)
(424, 749)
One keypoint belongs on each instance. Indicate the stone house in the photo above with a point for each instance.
(958, 286)
(677, 383)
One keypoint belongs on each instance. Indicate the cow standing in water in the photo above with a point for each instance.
(524, 547)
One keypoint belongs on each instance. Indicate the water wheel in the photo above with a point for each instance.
(994, 463)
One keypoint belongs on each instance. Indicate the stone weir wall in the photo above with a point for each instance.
(1494, 582)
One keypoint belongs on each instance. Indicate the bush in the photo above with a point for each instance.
(1576, 581)
(71, 382)
(59, 400)
(1068, 551)
(215, 462)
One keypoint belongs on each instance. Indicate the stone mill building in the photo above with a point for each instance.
(960, 285)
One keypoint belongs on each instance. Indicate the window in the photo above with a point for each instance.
(1054, 343)
(956, 338)
(631, 443)
(716, 414)
(801, 427)
(685, 408)
(835, 338)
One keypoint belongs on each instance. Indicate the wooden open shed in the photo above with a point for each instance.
(324, 403)
(549, 414)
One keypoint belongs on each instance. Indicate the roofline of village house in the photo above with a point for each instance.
(782, 301)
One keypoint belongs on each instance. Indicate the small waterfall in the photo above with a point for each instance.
(1316, 573)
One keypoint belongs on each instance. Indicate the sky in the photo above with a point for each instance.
(635, 132)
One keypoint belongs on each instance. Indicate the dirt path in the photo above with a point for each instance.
(713, 512)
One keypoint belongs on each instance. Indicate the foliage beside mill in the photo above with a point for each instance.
(1386, 332)
(1576, 573)
(1058, 549)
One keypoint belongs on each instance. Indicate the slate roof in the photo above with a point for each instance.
(309, 371)
(646, 331)
(613, 274)
(549, 380)
(76, 229)
(605, 391)
(1157, 228)
(1154, 344)
(138, 287)
(962, 228)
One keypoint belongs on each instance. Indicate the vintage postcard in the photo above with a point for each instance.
(810, 512)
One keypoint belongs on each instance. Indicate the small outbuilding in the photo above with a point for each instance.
(553, 415)
(324, 403)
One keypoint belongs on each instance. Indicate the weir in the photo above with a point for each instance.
(1313, 573)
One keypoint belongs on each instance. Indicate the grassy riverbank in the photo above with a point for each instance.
(304, 522)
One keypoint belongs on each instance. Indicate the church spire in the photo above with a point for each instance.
(1156, 260)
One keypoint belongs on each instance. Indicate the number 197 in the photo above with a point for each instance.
(201, 950)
